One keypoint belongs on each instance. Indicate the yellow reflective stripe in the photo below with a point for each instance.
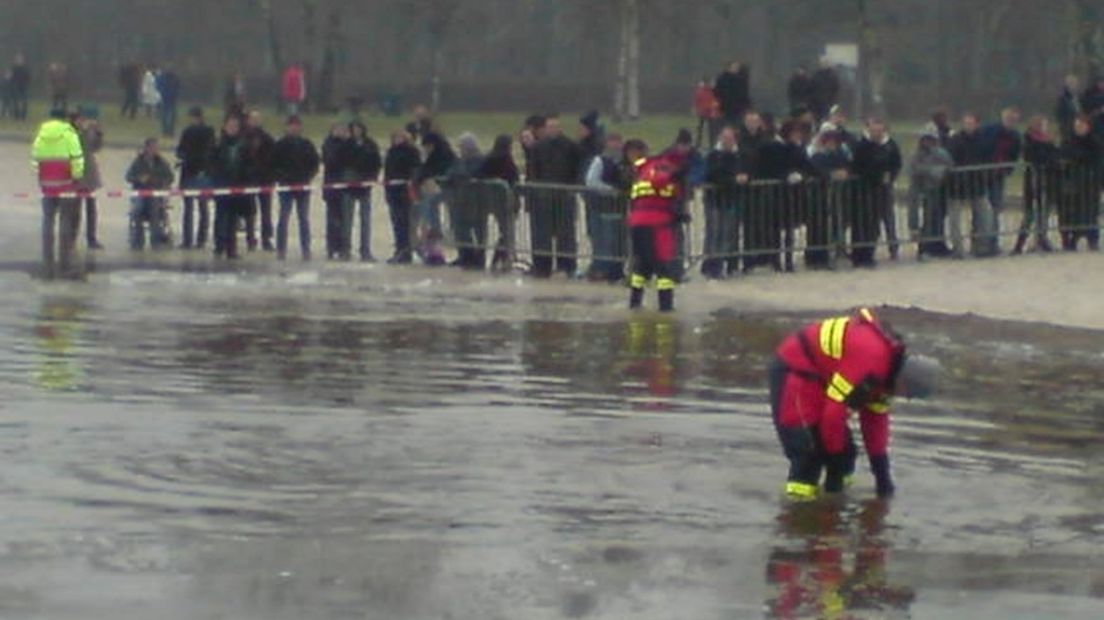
(867, 314)
(641, 189)
(839, 388)
(638, 281)
(879, 407)
(842, 384)
(831, 337)
(665, 284)
(667, 192)
(801, 491)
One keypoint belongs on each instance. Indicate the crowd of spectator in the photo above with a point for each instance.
(764, 179)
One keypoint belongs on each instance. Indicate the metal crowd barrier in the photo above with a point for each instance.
(817, 222)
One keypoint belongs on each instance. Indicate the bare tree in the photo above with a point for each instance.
(626, 98)
(1087, 42)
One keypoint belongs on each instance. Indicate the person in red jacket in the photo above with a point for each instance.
(708, 110)
(822, 372)
(294, 89)
(655, 211)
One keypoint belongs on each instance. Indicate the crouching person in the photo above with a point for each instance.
(149, 172)
(820, 374)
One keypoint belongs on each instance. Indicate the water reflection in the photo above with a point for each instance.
(831, 561)
(57, 328)
(650, 353)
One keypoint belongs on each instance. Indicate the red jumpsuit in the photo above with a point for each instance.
(655, 201)
(823, 371)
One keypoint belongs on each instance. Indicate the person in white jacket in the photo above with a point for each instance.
(151, 96)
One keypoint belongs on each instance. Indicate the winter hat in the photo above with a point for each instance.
(589, 120)
(88, 111)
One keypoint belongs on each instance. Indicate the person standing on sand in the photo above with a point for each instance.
(59, 162)
(86, 123)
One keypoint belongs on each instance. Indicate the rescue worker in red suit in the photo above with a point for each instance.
(655, 213)
(822, 372)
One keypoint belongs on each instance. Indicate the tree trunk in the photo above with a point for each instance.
(1087, 45)
(632, 82)
(620, 89)
(274, 49)
(871, 65)
(435, 78)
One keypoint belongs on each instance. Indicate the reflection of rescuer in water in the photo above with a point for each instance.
(821, 372)
(656, 212)
(817, 580)
(56, 333)
(651, 349)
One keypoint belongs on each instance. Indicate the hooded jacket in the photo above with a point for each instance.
(57, 155)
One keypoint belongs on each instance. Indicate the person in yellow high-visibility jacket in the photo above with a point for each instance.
(58, 160)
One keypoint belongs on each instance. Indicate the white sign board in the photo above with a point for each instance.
(842, 54)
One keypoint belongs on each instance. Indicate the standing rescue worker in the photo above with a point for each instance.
(58, 159)
(823, 371)
(654, 214)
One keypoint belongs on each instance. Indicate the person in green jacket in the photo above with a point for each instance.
(58, 160)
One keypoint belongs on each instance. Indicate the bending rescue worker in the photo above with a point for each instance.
(826, 369)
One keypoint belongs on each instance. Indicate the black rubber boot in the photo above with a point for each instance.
(636, 298)
(666, 301)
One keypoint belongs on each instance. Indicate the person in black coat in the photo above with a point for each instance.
(800, 91)
(776, 209)
(20, 85)
(295, 162)
(967, 186)
(439, 160)
(229, 169)
(828, 196)
(337, 159)
(399, 169)
(728, 174)
(876, 162)
(1092, 104)
(826, 88)
(733, 90)
(193, 153)
(364, 168)
(1041, 182)
(556, 160)
(258, 144)
(1068, 106)
(1082, 180)
(499, 165)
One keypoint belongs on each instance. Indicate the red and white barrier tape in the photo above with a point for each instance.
(205, 192)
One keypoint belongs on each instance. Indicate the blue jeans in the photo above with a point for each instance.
(192, 236)
(300, 201)
(168, 118)
(606, 227)
(996, 200)
(360, 201)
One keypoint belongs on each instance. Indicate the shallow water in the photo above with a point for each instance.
(350, 442)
